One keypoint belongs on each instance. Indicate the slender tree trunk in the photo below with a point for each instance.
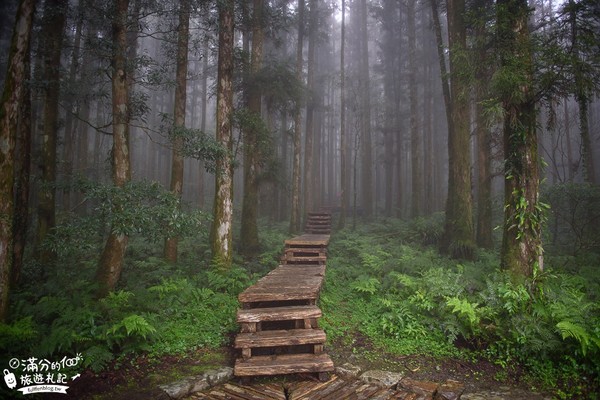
(415, 137)
(522, 235)
(442, 61)
(111, 261)
(203, 118)
(366, 147)
(570, 167)
(458, 238)
(22, 172)
(344, 189)
(53, 33)
(296, 209)
(310, 107)
(484, 151)
(179, 118)
(221, 233)
(12, 96)
(249, 242)
(582, 97)
(70, 122)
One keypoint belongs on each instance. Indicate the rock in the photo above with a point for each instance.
(348, 371)
(177, 390)
(219, 376)
(450, 390)
(192, 384)
(382, 378)
(426, 389)
(199, 383)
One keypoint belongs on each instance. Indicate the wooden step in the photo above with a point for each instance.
(308, 260)
(283, 364)
(292, 337)
(278, 314)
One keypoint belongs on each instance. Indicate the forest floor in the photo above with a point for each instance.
(139, 378)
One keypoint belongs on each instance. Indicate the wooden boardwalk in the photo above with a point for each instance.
(279, 314)
(333, 389)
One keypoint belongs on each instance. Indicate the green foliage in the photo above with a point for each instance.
(199, 145)
(406, 299)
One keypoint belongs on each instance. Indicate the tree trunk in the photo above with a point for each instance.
(296, 209)
(53, 27)
(22, 173)
(366, 156)
(249, 242)
(522, 235)
(344, 189)
(415, 137)
(221, 233)
(111, 261)
(582, 97)
(483, 135)
(458, 238)
(179, 118)
(310, 107)
(12, 96)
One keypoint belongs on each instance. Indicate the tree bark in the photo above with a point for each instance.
(483, 135)
(458, 240)
(111, 261)
(249, 241)
(415, 137)
(366, 156)
(12, 96)
(522, 234)
(310, 109)
(221, 233)
(582, 97)
(344, 189)
(179, 118)
(296, 208)
(22, 173)
(53, 27)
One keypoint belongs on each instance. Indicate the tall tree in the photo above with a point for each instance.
(111, 261)
(310, 108)
(22, 162)
(53, 27)
(344, 186)
(183, 33)
(366, 145)
(482, 133)
(252, 138)
(222, 229)
(415, 137)
(458, 238)
(295, 219)
(582, 90)
(522, 234)
(9, 109)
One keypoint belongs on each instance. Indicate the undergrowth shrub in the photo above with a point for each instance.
(405, 298)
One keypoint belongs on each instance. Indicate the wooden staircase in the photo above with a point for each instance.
(279, 316)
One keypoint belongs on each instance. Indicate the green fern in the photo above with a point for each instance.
(366, 285)
(569, 329)
(463, 308)
(133, 325)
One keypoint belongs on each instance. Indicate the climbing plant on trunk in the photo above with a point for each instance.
(523, 213)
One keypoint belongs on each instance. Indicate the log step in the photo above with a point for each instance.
(319, 259)
(292, 337)
(278, 314)
(283, 364)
